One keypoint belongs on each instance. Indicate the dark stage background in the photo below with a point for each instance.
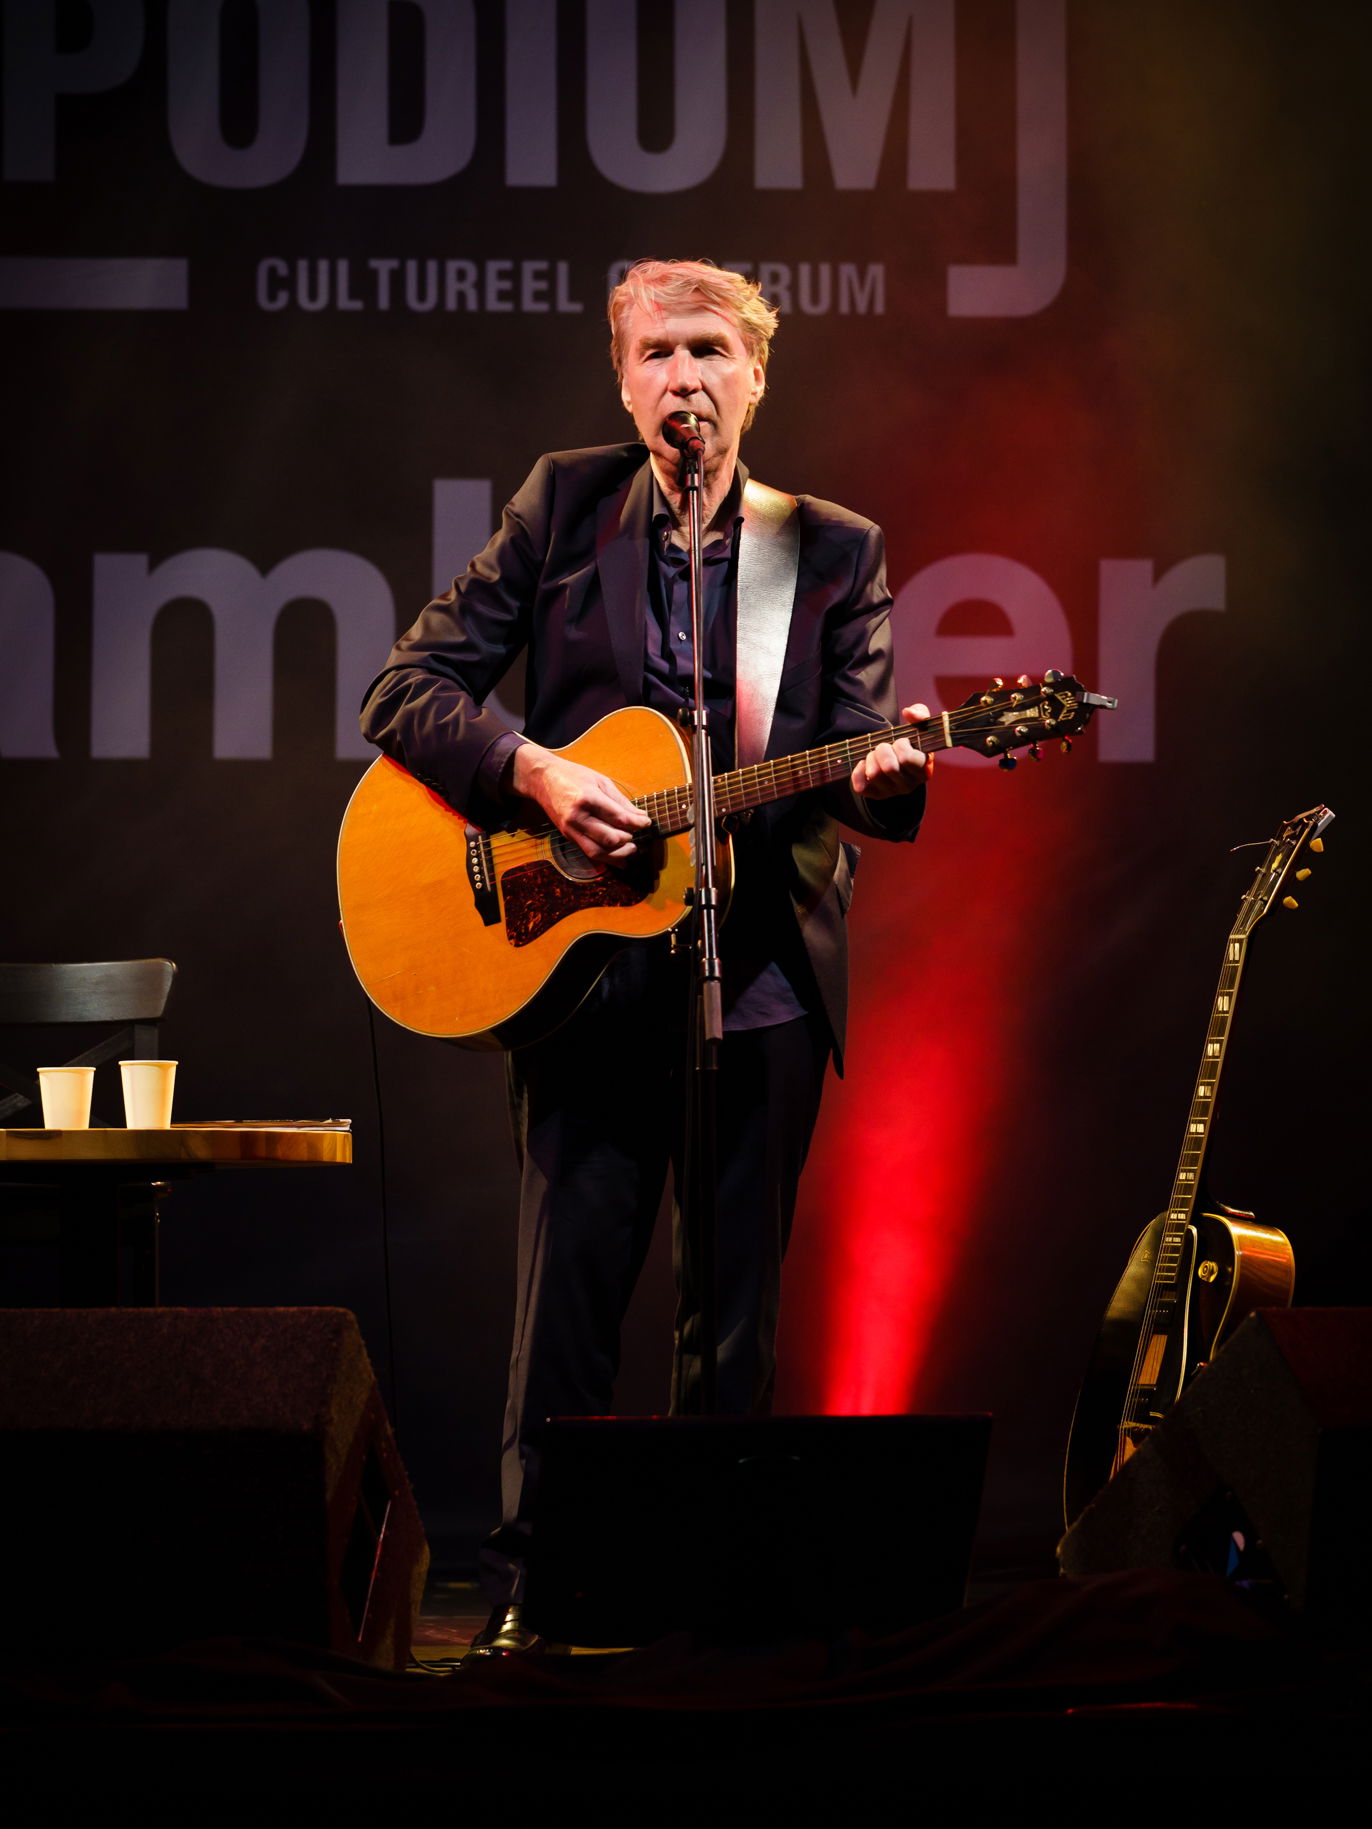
(1074, 303)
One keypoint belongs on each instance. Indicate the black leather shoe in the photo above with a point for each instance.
(505, 1636)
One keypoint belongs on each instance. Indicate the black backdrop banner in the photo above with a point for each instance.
(294, 294)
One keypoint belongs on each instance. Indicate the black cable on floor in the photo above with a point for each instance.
(385, 1218)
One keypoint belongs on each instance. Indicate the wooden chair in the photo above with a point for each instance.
(77, 1237)
(129, 994)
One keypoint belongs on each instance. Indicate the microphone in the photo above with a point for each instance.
(682, 432)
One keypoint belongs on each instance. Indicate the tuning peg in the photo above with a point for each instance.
(1301, 875)
(1289, 901)
(1066, 746)
(1051, 677)
(1024, 680)
(997, 683)
(1036, 752)
(1008, 762)
(1317, 845)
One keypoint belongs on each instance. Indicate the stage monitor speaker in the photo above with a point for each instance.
(746, 1527)
(1262, 1470)
(184, 1473)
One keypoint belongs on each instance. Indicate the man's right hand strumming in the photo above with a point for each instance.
(586, 807)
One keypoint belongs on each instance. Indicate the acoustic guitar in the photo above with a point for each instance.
(490, 939)
(1193, 1275)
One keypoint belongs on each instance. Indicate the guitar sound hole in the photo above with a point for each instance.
(572, 861)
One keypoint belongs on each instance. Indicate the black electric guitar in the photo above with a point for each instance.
(491, 938)
(1193, 1275)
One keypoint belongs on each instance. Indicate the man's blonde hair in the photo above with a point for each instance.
(665, 285)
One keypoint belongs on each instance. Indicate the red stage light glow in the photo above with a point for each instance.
(895, 1180)
(949, 944)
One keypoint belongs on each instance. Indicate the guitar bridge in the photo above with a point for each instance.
(481, 876)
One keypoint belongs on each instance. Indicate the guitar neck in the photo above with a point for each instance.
(1282, 853)
(1181, 1209)
(1166, 1305)
(737, 790)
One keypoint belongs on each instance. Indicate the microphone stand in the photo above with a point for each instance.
(699, 1180)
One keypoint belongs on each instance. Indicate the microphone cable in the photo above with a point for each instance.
(385, 1218)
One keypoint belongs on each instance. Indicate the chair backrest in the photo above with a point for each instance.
(129, 993)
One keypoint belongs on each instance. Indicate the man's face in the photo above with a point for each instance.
(689, 360)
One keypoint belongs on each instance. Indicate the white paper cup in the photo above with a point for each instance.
(66, 1097)
(148, 1093)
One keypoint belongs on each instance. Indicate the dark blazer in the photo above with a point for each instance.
(565, 580)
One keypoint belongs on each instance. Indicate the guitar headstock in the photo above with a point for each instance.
(1025, 716)
(1304, 833)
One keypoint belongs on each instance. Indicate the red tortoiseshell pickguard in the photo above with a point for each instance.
(538, 896)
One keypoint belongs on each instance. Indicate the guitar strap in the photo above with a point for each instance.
(768, 564)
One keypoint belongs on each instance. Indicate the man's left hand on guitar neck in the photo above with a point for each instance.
(894, 768)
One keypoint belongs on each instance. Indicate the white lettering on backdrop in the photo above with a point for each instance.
(856, 117)
(28, 643)
(1135, 610)
(245, 605)
(1134, 614)
(814, 288)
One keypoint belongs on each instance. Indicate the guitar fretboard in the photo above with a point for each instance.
(739, 789)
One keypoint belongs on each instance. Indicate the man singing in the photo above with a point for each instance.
(588, 573)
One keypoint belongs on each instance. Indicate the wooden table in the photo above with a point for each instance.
(94, 1194)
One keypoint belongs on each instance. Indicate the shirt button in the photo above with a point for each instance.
(681, 635)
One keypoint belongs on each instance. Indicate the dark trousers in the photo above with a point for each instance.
(598, 1115)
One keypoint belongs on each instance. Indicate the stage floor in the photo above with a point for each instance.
(1091, 1699)
(454, 1609)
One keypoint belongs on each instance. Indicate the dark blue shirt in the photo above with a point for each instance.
(668, 657)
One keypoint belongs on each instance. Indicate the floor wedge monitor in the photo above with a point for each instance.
(181, 1473)
(1262, 1470)
(743, 1527)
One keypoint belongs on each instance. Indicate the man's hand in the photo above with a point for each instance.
(894, 768)
(588, 808)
